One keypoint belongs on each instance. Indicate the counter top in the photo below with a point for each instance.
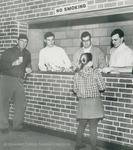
(123, 75)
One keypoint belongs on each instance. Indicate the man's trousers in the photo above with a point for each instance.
(11, 88)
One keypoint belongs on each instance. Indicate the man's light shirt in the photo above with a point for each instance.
(87, 50)
(53, 58)
(121, 56)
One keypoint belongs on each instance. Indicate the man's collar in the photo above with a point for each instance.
(20, 48)
(87, 49)
(123, 44)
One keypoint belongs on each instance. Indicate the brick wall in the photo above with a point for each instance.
(50, 100)
(9, 32)
(51, 104)
(14, 11)
(25, 9)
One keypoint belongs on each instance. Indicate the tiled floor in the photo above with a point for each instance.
(31, 140)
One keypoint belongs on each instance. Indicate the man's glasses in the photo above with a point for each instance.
(86, 40)
(24, 41)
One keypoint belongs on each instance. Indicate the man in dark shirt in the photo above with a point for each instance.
(15, 62)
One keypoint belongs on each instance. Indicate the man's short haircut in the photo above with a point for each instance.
(23, 36)
(85, 34)
(119, 32)
(48, 34)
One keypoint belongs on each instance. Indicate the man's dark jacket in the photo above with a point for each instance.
(9, 56)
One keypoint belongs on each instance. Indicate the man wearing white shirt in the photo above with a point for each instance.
(121, 56)
(98, 56)
(53, 58)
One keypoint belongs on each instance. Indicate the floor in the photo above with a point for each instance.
(32, 140)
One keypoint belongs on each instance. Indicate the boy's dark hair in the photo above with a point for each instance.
(48, 34)
(81, 64)
(119, 32)
(88, 56)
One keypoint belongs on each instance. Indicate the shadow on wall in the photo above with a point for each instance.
(36, 43)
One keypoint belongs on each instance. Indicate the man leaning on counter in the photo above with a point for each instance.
(121, 56)
(52, 57)
(98, 56)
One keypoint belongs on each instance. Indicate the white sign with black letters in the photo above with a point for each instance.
(71, 8)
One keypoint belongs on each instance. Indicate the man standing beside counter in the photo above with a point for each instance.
(52, 57)
(121, 56)
(14, 63)
(87, 47)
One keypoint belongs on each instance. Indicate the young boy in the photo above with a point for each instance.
(88, 85)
